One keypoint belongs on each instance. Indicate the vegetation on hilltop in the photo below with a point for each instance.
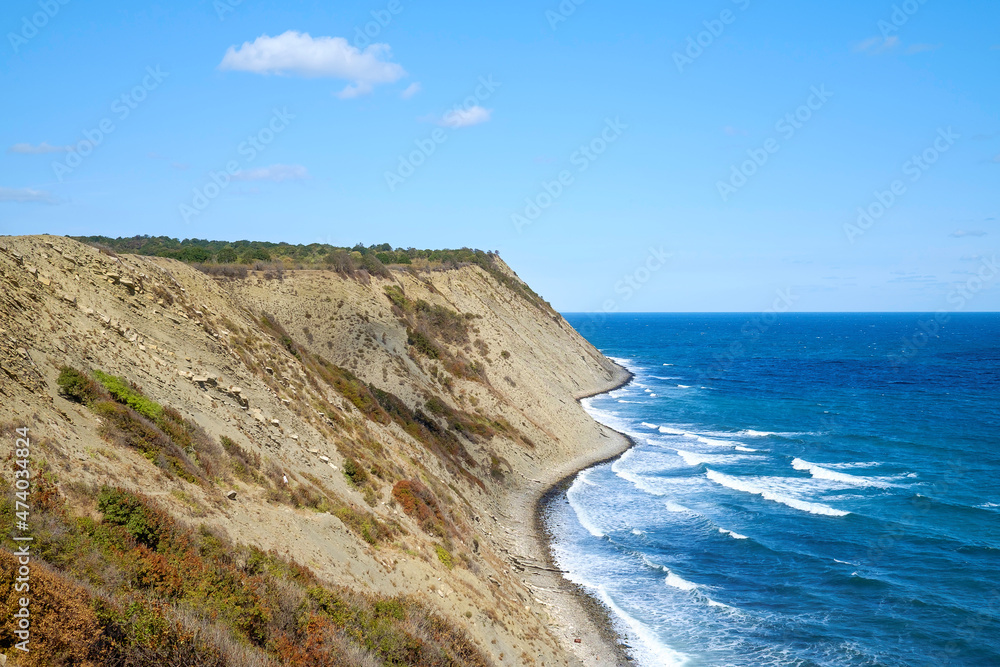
(224, 258)
(249, 252)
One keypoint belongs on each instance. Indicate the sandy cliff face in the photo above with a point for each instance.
(449, 379)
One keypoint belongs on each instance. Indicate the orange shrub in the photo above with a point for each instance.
(64, 629)
(420, 504)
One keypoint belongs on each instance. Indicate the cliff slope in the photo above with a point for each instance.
(390, 434)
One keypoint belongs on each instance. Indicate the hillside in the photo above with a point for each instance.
(312, 466)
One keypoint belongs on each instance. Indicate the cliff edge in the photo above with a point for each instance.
(389, 436)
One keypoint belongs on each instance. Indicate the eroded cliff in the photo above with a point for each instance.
(390, 434)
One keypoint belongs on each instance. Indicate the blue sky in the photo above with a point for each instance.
(638, 157)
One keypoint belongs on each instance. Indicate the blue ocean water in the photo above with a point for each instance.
(810, 490)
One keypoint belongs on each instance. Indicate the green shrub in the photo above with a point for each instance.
(121, 508)
(77, 386)
(160, 433)
(396, 296)
(245, 465)
(444, 556)
(370, 528)
(125, 393)
(226, 256)
(443, 323)
(422, 343)
(355, 473)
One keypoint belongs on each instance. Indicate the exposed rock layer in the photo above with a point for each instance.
(239, 357)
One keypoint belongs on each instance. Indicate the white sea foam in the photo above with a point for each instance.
(620, 469)
(606, 417)
(678, 582)
(674, 507)
(697, 458)
(692, 458)
(653, 651)
(584, 518)
(623, 459)
(741, 448)
(649, 563)
(668, 364)
(639, 483)
(750, 433)
(715, 443)
(820, 472)
(652, 395)
(857, 464)
(672, 578)
(672, 431)
(581, 514)
(683, 386)
(741, 484)
(733, 535)
(665, 377)
(626, 363)
(648, 425)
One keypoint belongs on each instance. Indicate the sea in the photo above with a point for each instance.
(807, 489)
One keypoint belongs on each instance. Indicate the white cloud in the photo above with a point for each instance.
(734, 131)
(876, 45)
(355, 90)
(44, 147)
(276, 173)
(411, 90)
(465, 117)
(921, 48)
(27, 195)
(995, 47)
(298, 54)
(974, 232)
